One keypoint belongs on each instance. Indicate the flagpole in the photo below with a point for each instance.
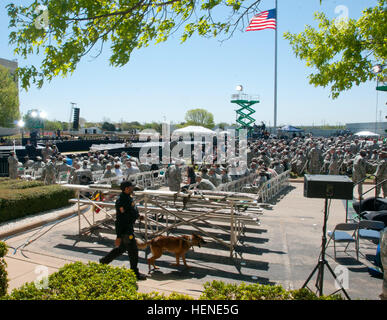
(275, 68)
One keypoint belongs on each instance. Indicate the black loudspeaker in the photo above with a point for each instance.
(328, 186)
(76, 119)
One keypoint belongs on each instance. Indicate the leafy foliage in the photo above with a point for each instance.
(107, 126)
(9, 99)
(22, 198)
(91, 281)
(343, 52)
(218, 290)
(76, 27)
(199, 117)
(3, 271)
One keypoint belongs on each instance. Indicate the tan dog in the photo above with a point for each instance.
(178, 245)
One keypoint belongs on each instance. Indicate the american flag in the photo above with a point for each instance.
(263, 20)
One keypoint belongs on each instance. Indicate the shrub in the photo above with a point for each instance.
(78, 281)
(22, 198)
(218, 290)
(91, 281)
(3, 271)
(94, 281)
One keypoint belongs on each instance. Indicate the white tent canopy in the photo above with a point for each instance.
(366, 134)
(194, 129)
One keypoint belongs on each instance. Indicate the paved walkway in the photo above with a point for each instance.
(283, 249)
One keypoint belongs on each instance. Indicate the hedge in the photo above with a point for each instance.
(3, 271)
(91, 281)
(22, 198)
(94, 281)
(218, 290)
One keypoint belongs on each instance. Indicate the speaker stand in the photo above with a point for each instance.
(322, 262)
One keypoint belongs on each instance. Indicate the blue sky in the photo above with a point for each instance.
(161, 82)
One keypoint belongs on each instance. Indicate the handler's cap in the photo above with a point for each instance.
(125, 184)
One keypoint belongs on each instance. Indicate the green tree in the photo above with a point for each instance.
(76, 27)
(33, 122)
(53, 125)
(157, 126)
(9, 99)
(343, 53)
(107, 126)
(223, 125)
(199, 117)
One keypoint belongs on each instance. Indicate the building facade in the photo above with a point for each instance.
(376, 127)
(11, 65)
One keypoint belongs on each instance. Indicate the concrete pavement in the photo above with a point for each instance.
(283, 249)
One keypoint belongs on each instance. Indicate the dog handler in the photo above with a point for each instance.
(127, 214)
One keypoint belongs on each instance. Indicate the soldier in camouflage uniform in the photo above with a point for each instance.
(225, 176)
(38, 164)
(28, 163)
(359, 171)
(173, 176)
(381, 174)
(333, 168)
(204, 184)
(12, 165)
(49, 172)
(298, 164)
(214, 178)
(314, 158)
(95, 165)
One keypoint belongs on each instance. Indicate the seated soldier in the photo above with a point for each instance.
(204, 184)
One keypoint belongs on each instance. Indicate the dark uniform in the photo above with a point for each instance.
(125, 232)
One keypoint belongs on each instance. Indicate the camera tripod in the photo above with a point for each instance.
(322, 262)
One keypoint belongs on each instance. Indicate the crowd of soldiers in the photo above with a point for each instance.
(77, 169)
(343, 155)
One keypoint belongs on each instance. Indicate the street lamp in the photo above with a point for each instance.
(21, 124)
(378, 68)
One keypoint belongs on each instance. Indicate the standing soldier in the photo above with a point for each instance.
(381, 174)
(12, 165)
(49, 171)
(46, 152)
(215, 178)
(173, 176)
(314, 158)
(359, 171)
(333, 163)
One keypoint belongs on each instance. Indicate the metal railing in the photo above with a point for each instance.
(266, 191)
(377, 184)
